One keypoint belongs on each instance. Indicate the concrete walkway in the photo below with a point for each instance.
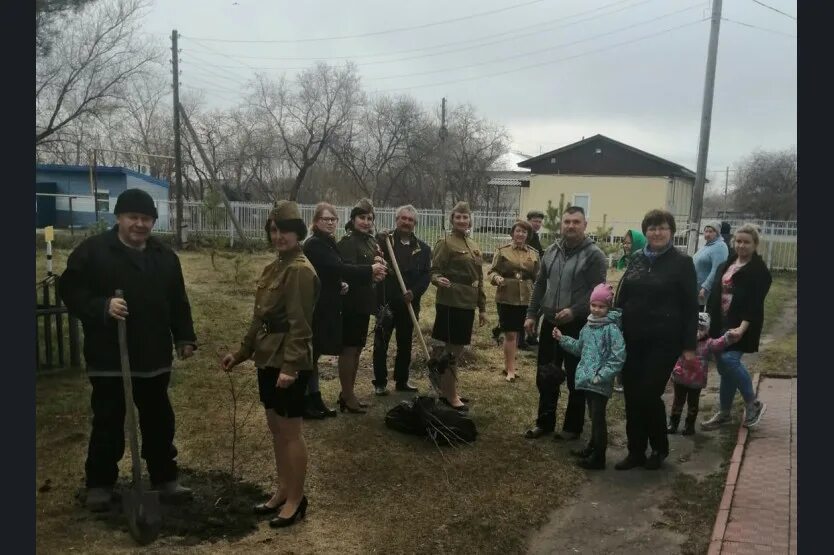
(758, 511)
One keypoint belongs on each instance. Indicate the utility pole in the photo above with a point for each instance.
(444, 132)
(706, 121)
(223, 197)
(177, 144)
(726, 183)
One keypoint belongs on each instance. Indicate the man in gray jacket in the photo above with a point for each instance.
(570, 269)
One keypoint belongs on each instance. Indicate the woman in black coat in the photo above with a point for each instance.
(336, 276)
(659, 300)
(736, 304)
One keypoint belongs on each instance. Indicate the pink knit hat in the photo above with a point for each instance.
(603, 293)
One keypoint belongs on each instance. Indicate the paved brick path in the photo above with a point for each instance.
(758, 512)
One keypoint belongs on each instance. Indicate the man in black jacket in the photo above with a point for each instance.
(156, 309)
(569, 271)
(535, 218)
(414, 260)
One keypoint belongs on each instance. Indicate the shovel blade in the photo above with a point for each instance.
(143, 515)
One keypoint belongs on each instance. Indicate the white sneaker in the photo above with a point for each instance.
(718, 419)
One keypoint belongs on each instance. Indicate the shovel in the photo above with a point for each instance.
(436, 366)
(140, 506)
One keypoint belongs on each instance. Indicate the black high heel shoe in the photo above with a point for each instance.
(300, 512)
(343, 406)
(264, 509)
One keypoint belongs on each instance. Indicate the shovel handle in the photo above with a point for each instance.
(402, 286)
(130, 412)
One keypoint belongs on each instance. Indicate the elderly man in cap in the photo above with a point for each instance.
(158, 316)
(535, 218)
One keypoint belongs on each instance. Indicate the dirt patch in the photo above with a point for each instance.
(221, 510)
(628, 502)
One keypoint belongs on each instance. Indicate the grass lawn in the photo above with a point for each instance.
(370, 488)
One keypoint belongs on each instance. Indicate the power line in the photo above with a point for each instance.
(202, 60)
(204, 83)
(549, 62)
(540, 50)
(514, 35)
(757, 27)
(486, 44)
(377, 33)
(213, 92)
(215, 75)
(775, 10)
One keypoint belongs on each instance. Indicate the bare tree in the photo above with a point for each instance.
(474, 144)
(374, 150)
(306, 116)
(766, 185)
(92, 59)
(47, 13)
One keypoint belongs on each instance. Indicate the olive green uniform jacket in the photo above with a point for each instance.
(458, 259)
(519, 268)
(280, 335)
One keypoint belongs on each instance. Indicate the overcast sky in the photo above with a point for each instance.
(598, 66)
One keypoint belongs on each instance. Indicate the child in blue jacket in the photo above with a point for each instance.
(601, 349)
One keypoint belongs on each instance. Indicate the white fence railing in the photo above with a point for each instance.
(489, 229)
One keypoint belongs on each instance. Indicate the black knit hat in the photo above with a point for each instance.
(135, 200)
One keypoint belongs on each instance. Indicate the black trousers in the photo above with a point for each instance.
(402, 324)
(646, 371)
(107, 440)
(597, 404)
(686, 395)
(551, 351)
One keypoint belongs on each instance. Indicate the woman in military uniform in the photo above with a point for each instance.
(358, 246)
(457, 272)
(514, 267)
(279, 341)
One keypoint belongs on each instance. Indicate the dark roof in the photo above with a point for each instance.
(574, 159)
(100, 170)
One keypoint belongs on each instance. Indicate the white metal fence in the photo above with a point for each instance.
(490, 230)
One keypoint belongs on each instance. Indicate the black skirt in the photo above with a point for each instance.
(453, 325)
(511, 317)
(287, 402)
(354, 329)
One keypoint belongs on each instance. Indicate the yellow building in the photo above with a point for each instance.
(609, 180)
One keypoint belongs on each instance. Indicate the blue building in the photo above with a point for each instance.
(56, 183)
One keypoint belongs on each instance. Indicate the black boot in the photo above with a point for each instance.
(318, 403)
(311, 410)
(689, 425)
(594, 462)
(674, 420)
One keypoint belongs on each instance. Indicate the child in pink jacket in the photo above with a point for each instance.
(690, 377)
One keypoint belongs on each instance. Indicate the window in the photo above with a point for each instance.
(102, 201)
(582, 200)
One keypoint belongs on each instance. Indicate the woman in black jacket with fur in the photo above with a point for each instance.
(658, 297)
(736, 304)
(336, 278)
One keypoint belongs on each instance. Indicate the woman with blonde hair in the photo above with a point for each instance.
(736, 306)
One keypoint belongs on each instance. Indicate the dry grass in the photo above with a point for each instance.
(370, 489)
